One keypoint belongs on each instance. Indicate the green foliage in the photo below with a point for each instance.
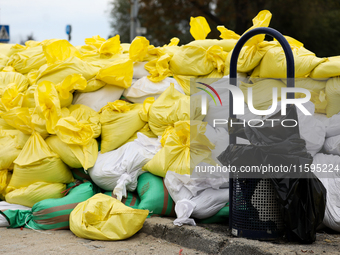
(313, 22)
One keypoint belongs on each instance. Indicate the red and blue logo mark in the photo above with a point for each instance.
(212, 89)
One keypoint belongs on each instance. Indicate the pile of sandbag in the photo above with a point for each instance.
(126, 120)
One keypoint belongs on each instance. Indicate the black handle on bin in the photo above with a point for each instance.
(233, 81)
(236, 52)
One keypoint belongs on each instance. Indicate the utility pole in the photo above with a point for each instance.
(133, 21)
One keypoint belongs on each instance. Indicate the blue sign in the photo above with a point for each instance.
(68, 29)
(4, 33)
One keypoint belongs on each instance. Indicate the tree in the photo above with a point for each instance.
(313, 22)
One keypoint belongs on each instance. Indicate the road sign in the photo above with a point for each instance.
(4, 33)
(141, 30)
(68, 29)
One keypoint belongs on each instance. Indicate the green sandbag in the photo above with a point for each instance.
(221, 216)
(52, 214)
(154, 196)
(132, 200)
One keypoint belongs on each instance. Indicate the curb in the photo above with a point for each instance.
(208, 238)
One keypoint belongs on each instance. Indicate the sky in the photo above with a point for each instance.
(47, 19)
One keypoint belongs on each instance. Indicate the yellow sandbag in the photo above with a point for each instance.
(158, 68)
(48, 104)
(70, 131)
(102, 46)
(199, 27)
(329, 68)
(37, 163)
(262, 92)
(29, 97)
(227, 45)
(35, 193)
(138, 48)
(191, 60)
(227, 34)
(173, 106)
(5, 177)
(117, 73)
(255, 48)
(145, 131)
(184, 146)
(9, 49)
(92, 85)
(184, 82)
(58, 51)
(273, 64)
(11, 97)
(317, 90)
(5, 126)
(57, 72)
(119, 120)
(332, 95)
(86, 115)
(3, 61)
(11, 143)
(30, 58)
(7, 78)
(103, 217)
(73, 155)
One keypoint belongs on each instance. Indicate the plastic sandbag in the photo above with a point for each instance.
(158, 68)
(327, 69)
(332, 145)
(302, 200)
(199, 28)
(255, 48)
(105, 218)
(18, 79)
(118, 170)
(227, 45)
(118, 73)
(30, 58)
(35, 193)
(262, 96)
(144, 88)
(273, 64)
(139, 70)
(37, 163)
(181, 62)
(132, 200)
(99, 98)
(196, 197)
(332, 95)
(4, 206)
(138, 48)
(184, 146)
(119, 120)
(332, 185)
(57, 72)
(154, 196)
(173, 106)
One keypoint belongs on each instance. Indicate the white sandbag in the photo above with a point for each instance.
(332, 185)
(332, 145)
(196, 197)
(139, 71)
(311, 130)
(144, 88)
(119, 169)
(7, 206)
(333, 125)
(99, 98)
